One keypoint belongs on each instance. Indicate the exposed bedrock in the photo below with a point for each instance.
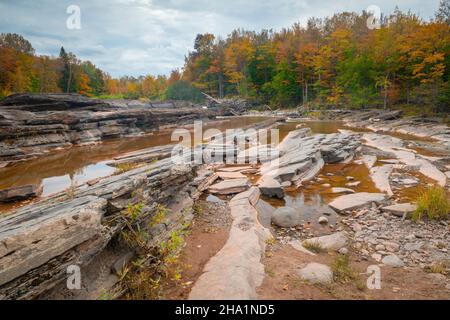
(302, 156)
(20, 193)
(406, 157)
(39, 242)
(236, 270)
(383, 121)
(79, 227)
(31, 125)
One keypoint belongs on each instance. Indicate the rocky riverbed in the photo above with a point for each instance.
(91, 218)
(291, 213)
(33, 125)
(368, 225)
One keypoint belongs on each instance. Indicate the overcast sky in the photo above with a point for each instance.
(137, 37)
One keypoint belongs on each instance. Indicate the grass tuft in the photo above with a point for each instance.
(437, 268)
(434, 203)
(342, 271)
(312, 246)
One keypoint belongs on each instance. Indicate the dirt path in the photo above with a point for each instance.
(208, 235)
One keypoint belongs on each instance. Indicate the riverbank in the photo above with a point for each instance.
(155, 195)
(325, 249)
(336, 202)
(31, 126)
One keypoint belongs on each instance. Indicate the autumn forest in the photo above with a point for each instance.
(331, 62)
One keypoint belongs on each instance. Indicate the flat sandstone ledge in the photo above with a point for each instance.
(236, 270)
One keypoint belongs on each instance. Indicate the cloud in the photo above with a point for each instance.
(137, 37)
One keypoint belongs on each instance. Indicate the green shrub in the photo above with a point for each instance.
(434, 203)
(182, 90)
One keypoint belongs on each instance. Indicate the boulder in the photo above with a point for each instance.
(334, 241)
(265, 212)
(323, 220)
(20, 193)
(271, 188)
(316, 273)
(356, 200)
(286, 217)
(401, 209)
(393, 261)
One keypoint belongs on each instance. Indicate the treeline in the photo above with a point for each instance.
(21, 70)
(336, 61)
(332, 62)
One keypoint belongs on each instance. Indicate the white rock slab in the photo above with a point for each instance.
(369, 160)
(230, 175)
(393, 261)
(356, 200)
(234, 169)
(232, 186)
(407, 156)
(380, 176)
(401, 209)
(236, 270)
(342, 190)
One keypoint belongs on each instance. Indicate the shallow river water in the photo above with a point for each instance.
(58, 170)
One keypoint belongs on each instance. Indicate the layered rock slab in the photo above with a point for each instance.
(357, 200)
(236, 270)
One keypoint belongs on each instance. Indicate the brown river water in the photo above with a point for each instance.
(58, 170)
(79, 164)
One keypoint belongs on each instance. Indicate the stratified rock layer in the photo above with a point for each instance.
(31, 125)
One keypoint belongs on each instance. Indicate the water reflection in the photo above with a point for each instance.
(309, 209)
(88, 162)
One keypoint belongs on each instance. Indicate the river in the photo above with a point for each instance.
(59, 169)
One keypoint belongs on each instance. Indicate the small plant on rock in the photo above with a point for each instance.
(159, 215)
(197, 209)
(313, 246)
(124, 167)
